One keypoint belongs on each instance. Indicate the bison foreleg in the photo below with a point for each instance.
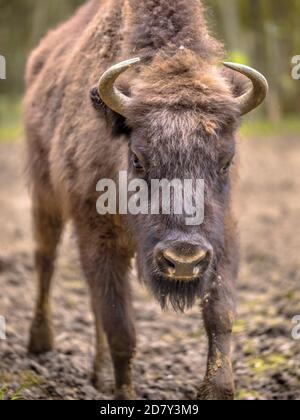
(47, 228)
(106, 269)
(218, 313)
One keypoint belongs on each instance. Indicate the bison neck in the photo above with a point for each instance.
(164, 26)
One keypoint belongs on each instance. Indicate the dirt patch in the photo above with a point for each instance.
(172, 348)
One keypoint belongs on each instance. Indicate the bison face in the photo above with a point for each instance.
(180, 121)
(179, 248)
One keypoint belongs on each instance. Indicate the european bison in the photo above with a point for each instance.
(173, 116)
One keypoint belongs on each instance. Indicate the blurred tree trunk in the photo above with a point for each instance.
(266, 52)
(277, 54)
(229, 12)
(39, 20)
(259, 33)
(273, 61)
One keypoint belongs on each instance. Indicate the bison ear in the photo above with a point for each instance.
(237, 81)
(116, 122)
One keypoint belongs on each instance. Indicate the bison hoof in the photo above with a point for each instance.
(41, 336)
(98, 381)
(126, 393)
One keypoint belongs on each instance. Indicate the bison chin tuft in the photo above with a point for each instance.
(179, 295)
(170, 293)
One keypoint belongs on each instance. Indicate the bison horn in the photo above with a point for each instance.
(109, 94)
(119, 102)
(256, 94)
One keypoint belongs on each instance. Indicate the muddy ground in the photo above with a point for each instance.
(172, 348)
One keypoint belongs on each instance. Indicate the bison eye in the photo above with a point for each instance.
(226, 168)
(138, 166)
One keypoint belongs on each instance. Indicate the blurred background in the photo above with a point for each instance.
(264, 34)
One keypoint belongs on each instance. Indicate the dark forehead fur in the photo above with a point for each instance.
(183, 66)
(164, 25)
(181, 100)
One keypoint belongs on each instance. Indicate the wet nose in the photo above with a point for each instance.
(184, 261)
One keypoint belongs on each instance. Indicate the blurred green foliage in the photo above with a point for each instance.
(22, 24)
(261, 33)
(265, 35)
(264, 128)
(10, 118)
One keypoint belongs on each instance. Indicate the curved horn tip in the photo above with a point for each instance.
(109, 94)
(255, 96)
(134, 60)
(242, 68)
(127, 63)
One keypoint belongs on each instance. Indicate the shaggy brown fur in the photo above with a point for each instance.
(181, 123)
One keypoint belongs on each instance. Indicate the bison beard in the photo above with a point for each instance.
(180, 295)
(172, 293)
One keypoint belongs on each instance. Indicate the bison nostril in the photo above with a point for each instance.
(166, 264)
(202, 262)
(169, 261)
(183, 263)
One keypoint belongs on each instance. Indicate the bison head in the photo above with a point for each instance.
(180, 117)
